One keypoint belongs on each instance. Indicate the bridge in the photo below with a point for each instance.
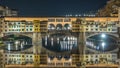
(84, 29)
(71, 25)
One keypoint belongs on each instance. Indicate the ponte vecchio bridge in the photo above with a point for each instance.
(80, 29)
(36, 27)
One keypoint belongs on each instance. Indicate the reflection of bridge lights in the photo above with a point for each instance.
(103, 45)
(68, 38)
(53, 28)
(63, 42)
(16, 42)
(103, 42)
(48, 36)
(9, 46)
(98, 47)
(103, 35)
(71, 38)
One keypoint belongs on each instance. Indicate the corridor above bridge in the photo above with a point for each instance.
(41, 24)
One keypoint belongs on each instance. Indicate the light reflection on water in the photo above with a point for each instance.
(59, 42)
(18, 44)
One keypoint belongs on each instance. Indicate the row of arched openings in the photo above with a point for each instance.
(59, 27)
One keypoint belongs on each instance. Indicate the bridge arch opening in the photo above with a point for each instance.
(59, 27)
(102, 42)
(17, 42)
(59, 42)
(67, 27)
(51, 27)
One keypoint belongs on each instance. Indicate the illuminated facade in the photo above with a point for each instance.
(5, 11)
(45, 27)
(58, 60)
(13, 58)
(20, 26)
(36, 24)
(100, 58)
(30, 24)
(2, 59)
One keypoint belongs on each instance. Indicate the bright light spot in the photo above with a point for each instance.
(9, 46)
(16, 42)
(103, 35)
(70, 59)
(103, 44)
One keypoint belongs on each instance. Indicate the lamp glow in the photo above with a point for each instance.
(103, 35)
(103, 45)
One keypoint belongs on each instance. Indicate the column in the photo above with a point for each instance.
(82, 43)
(34, 42)
(37, 43)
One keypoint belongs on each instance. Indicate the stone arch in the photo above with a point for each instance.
(30, 35)
(95, 51)
(51, 26)
(27, 35)
(59, 26)
(93, 34)
(67, 26)
(110, 35)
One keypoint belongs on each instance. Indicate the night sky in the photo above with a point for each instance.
(53, 7)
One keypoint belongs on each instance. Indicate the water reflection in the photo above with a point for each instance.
(96, 42)
(59, 42)
(17, 43)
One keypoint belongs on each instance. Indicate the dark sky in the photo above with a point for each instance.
(53, 7)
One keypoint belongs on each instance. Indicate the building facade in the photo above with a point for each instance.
(58, 60)
(6, 11)
(41, 24)
(47, 25)
(100, 58)
(2, 59)
(22, 58)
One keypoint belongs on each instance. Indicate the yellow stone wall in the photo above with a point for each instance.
(36, 26)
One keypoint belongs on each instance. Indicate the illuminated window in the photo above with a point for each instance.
(30, 29)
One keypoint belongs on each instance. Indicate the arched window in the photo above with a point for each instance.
(59, 26)
(51, 27)
(67, 27)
